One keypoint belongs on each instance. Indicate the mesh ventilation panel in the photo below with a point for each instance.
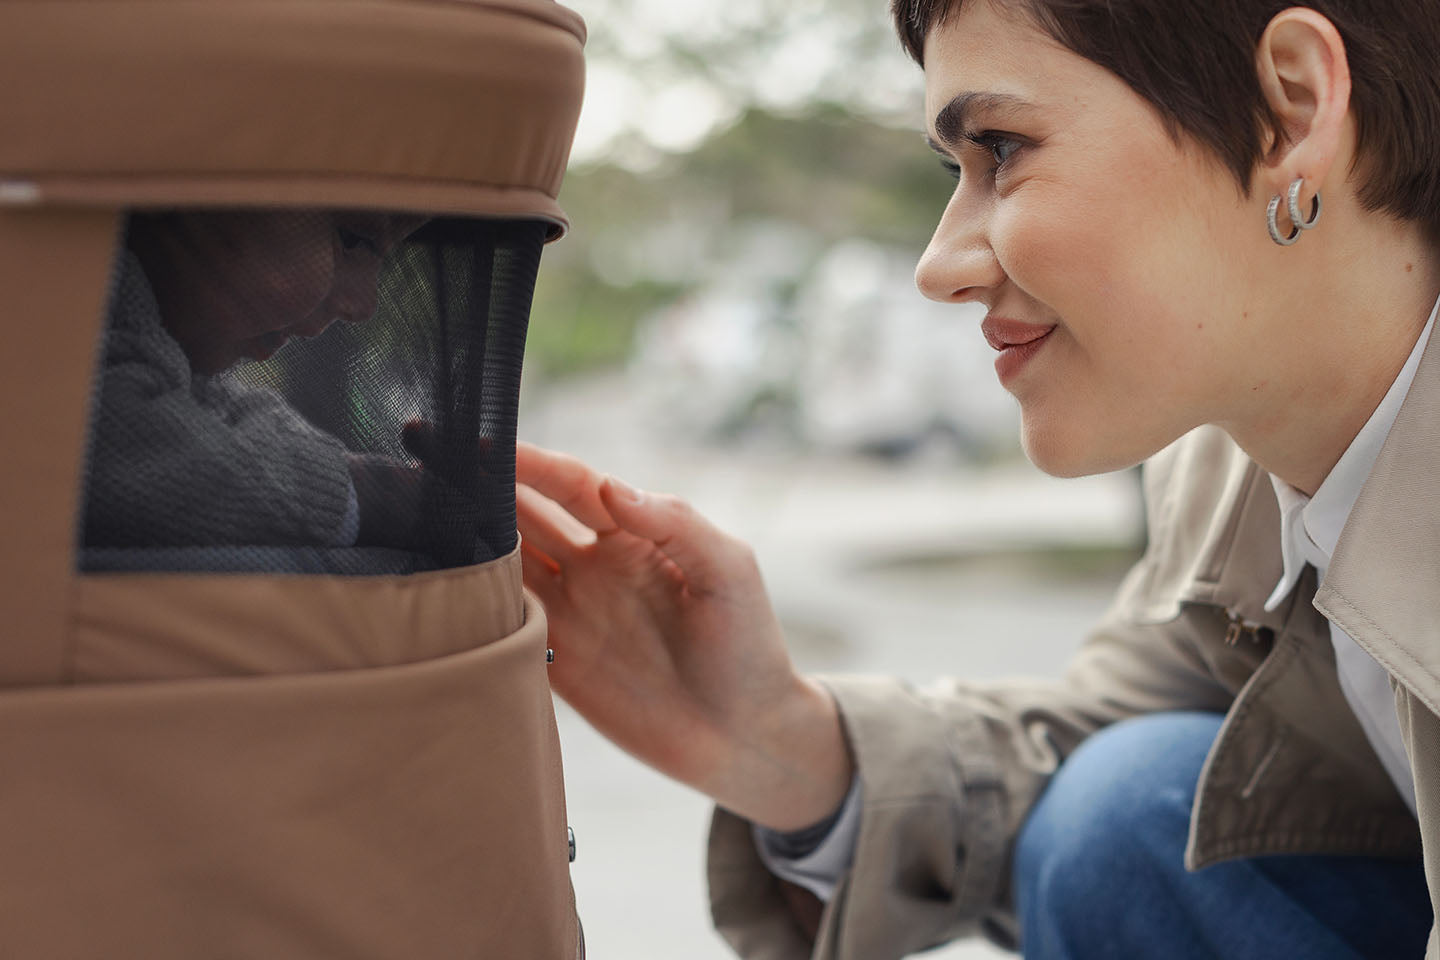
(308, 391)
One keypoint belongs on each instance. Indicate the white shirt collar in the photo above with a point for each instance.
(1310, 526)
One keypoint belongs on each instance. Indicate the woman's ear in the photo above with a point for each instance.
(1306, 81)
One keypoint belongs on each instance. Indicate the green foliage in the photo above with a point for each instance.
(641, 239)
(827, 169)
(580, 323)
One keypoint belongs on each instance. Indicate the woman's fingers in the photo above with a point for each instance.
(708, 557)
(541, 574)
(565, 480)
(548, 528)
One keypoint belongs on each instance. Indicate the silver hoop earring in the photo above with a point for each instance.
(1270, 213)
(1292, 202)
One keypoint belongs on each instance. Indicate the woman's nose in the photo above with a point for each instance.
(959, 264)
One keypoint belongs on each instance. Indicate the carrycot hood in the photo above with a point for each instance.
(460, 106)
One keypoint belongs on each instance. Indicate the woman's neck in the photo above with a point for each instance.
(1350, 331)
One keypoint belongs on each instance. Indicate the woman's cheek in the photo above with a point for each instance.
(1079, 417)
(1049, 248)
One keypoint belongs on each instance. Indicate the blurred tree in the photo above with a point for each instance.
(642, 238)
(667, 73)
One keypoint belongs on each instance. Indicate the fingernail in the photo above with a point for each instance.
(625, 491)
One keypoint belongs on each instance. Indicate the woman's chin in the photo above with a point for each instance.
(1062, 453)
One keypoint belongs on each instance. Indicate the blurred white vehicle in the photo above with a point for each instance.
(714, 363)
(854, 360)
(886, 371)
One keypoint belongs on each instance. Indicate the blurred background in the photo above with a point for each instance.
(733, 318)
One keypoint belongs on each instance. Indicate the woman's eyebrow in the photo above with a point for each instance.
(953, 118)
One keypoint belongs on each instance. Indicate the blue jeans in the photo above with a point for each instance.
(1099, 869)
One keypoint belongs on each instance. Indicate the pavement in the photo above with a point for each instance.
(919, 569)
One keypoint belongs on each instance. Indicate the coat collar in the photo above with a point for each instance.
(1383, 585)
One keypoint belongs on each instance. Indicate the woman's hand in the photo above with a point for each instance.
(665, 640)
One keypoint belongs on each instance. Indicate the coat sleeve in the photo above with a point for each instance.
(948, 774)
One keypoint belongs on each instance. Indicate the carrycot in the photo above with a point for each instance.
(269, 683)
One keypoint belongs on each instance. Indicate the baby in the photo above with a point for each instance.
(182, 457)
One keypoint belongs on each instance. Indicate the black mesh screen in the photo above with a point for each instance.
(309, 392)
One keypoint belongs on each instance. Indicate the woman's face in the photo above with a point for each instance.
(237, 285)
(1116, 264)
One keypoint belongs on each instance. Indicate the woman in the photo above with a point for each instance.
(1225, 769)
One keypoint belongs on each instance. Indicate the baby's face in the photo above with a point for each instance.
(236, 285)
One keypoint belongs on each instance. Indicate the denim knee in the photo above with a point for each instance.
(1107, 831)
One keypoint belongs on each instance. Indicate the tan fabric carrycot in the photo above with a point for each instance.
(198, 764)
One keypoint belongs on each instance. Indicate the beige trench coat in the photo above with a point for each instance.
(950, 772)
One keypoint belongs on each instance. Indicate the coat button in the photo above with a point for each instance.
(571, 832)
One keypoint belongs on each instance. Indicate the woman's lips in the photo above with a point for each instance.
(1017, 342)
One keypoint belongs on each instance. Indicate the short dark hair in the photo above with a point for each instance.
(1194, 61)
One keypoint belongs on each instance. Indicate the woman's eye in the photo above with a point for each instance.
(997, 147)
(1001, 147)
